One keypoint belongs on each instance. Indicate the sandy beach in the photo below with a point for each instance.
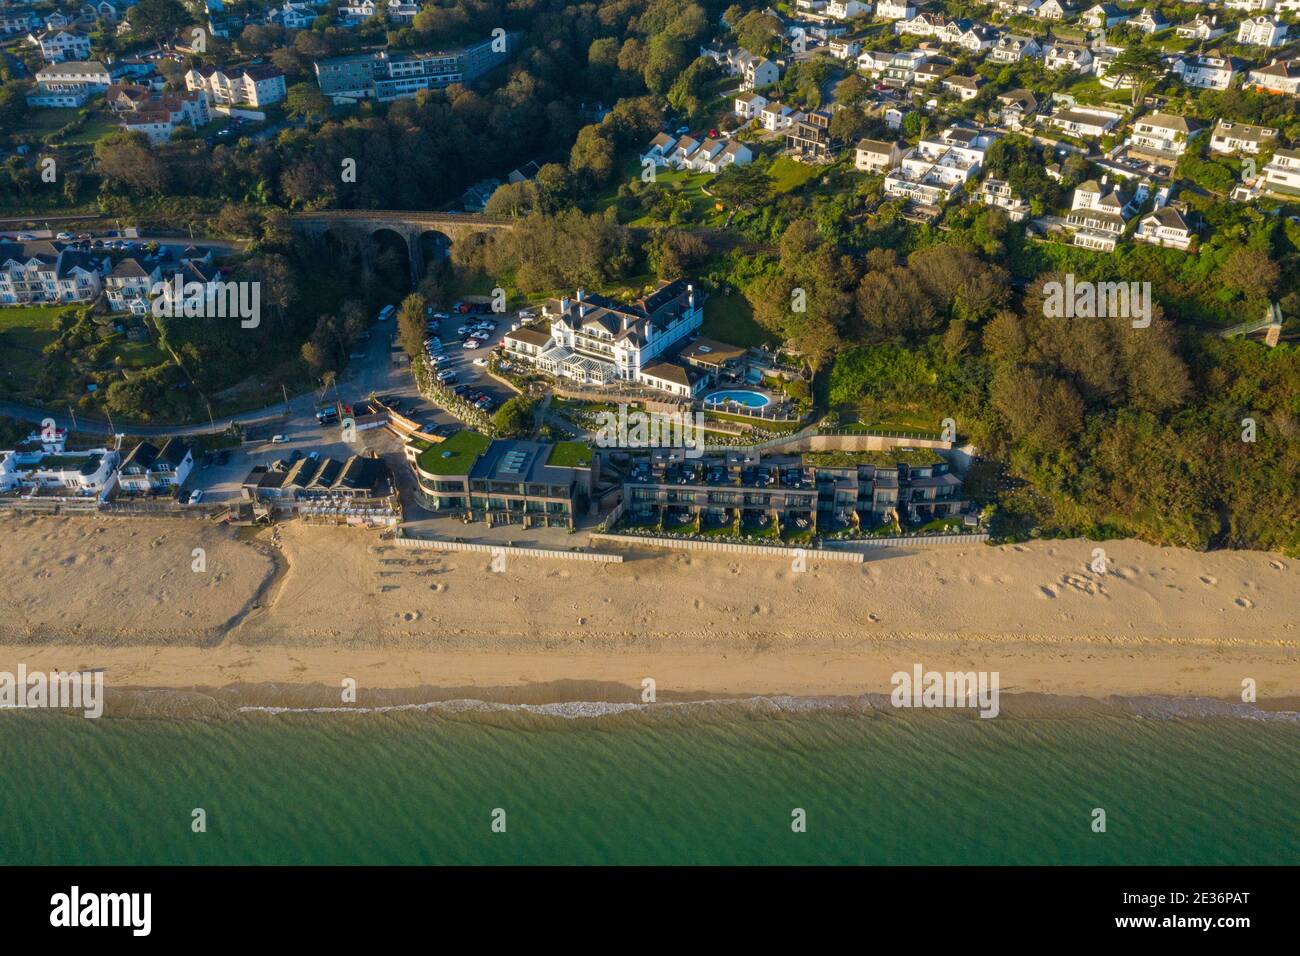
(294, 620)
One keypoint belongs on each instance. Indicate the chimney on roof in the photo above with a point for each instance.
(564, 305)
(690, 295)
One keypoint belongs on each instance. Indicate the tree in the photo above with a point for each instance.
(743, 186)
(305, 101)
(757, 32)
(411, 319)
(158, 20)
(1140, 66)
(127, 158)
(514, 419)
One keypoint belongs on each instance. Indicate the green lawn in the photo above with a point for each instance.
(570, 454)
(30, 326)
(136, 355)
(728, 318)
(456, 455)
(788, 175)
(97, 126)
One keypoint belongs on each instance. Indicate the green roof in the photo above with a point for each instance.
(916, 457)
(570, 454)
(455, 456)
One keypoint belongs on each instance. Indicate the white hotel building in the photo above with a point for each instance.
(595, 340)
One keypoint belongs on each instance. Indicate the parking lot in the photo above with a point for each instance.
(461, 361)
(370, 371)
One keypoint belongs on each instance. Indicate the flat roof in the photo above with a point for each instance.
(456, 455)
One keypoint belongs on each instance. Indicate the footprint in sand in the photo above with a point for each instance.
(1046, 591)
(411, 616)
(1208, 581)
(1277, 565)
(1245, 603)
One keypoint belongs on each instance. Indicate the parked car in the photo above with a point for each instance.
(481, 362)
(196, 496)
(297, 454)
(470, 344)
(386, 313)
(447, 376)
(279, 439)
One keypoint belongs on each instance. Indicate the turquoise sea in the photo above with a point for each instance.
(703, 784)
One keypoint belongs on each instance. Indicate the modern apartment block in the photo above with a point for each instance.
(253, 86)
(595, 340)
(39, 272)
(814, 491)
(501, 481)
(385, 75)
(939, 166)
(43, 465)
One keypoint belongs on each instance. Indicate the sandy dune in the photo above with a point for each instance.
(337, 602)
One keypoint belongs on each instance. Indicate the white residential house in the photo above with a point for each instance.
(1014, 109)
(749, 105)
(596, 340)
(148, 468)
(939, 166)
(1085, 121)
(60, 45)
(701, 159)
(896, 70)
(252, 86)
(998, 193)
(1261, 31)
(777, 117)
(924, 24)
(876, 155)
(73, 473)
(1022, 8)
(755, 72)
(159, 116)
(1055, 10)
(1165, 226)
(895, 10)
(1098, 214)
(844, 48)
(1200, 28)
(977, 38)
(38, 272)
(1279, 76)
(733, 153)
(965, 87)
(1282, 174)
(69, 83)
(1211, 71)
(1240, 137)
(1102, 16)
(1012, 48)
(682, 151)
(1250, 6)
(1068, 56)
(1150, 21)
(661, 147)
(847, 9)
(127, 287)
(1162, 137)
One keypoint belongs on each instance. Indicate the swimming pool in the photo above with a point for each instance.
(740, 397)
